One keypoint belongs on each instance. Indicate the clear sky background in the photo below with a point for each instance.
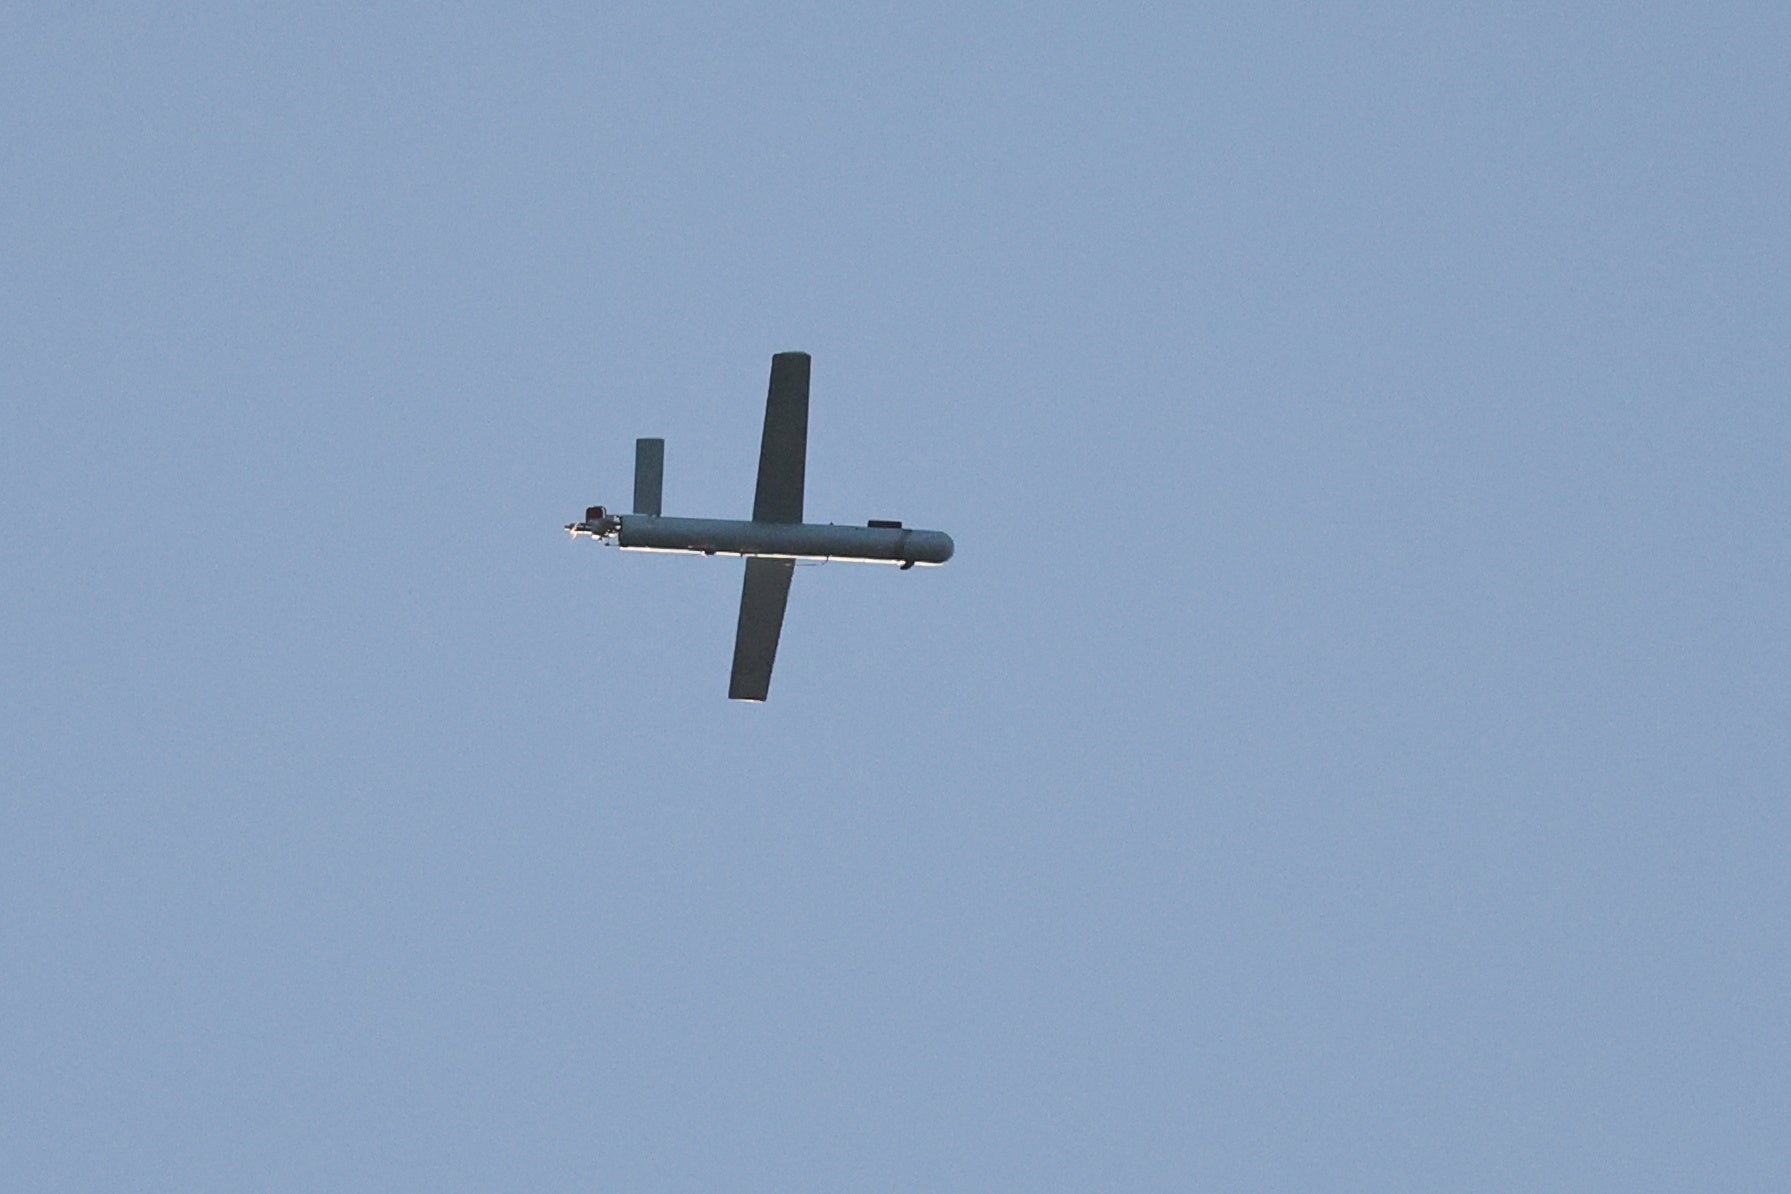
(1349, 750)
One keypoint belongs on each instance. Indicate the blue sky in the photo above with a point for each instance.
(1348, 750)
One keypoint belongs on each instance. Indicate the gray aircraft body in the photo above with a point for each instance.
(773, 539)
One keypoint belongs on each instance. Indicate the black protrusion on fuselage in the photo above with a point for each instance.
(885, 523)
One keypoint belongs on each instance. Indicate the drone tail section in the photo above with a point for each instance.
(649, 475)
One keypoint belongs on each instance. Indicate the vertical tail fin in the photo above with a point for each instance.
(649, 475)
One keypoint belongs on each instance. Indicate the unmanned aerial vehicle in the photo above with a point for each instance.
(773, 539)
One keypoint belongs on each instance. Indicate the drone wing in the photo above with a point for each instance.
(783, 456)
(762, 600)
(783, 450)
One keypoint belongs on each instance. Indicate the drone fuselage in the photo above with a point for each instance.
(885, 544)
